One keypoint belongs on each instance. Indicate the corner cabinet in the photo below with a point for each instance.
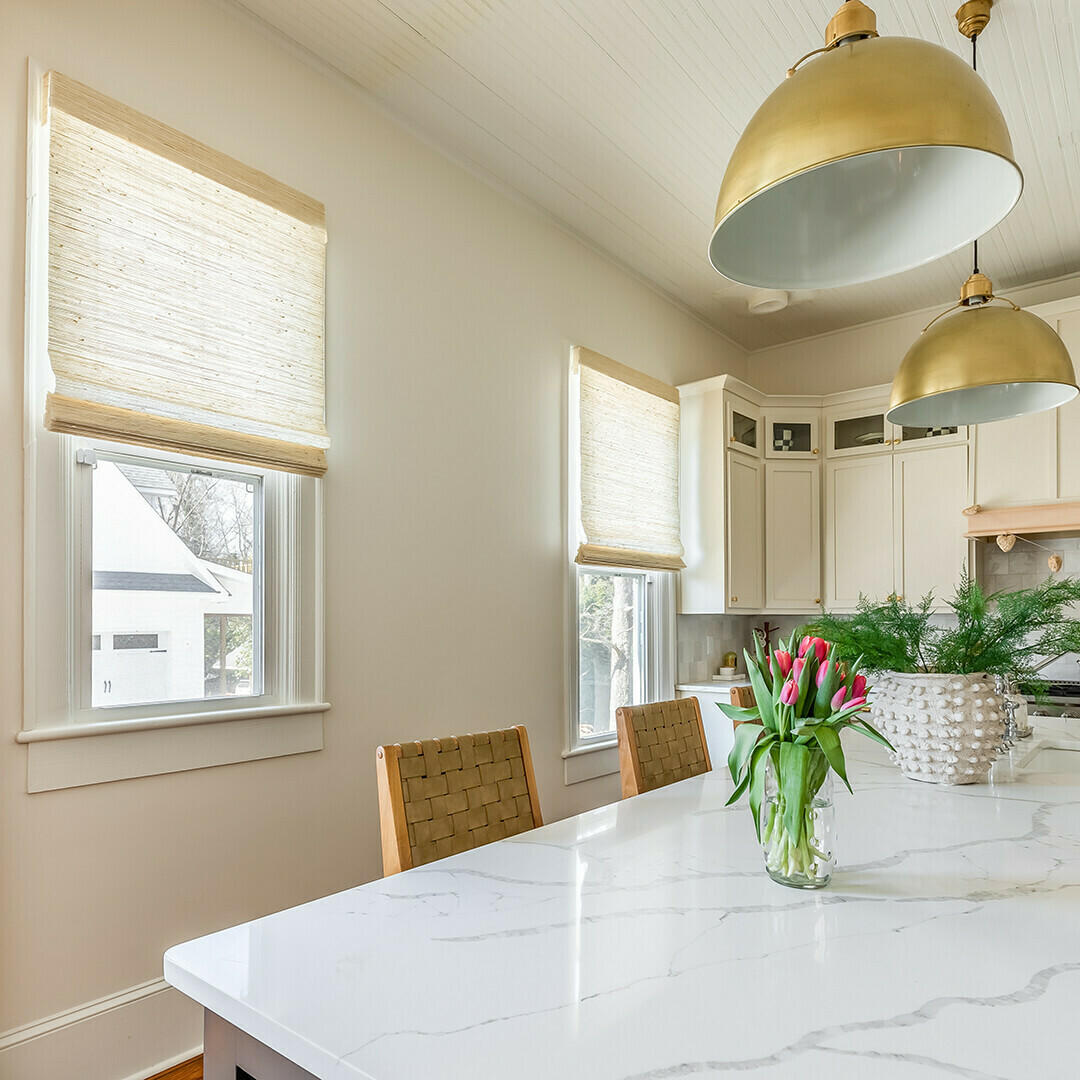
(769, 527)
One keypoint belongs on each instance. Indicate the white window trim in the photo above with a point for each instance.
(135, 741)
(599, 756)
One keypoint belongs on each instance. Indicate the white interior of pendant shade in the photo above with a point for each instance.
(865, 217)
(982, 404)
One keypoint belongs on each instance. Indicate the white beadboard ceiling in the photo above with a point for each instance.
(618, 117)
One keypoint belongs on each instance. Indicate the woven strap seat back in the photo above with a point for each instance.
(667, 741)
(463, 791)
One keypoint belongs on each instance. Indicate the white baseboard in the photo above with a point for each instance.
(127, 1035)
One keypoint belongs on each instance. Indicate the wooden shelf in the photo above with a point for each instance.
(1061, 518)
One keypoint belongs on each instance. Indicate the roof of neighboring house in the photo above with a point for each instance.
(141, 582)
(148, 480)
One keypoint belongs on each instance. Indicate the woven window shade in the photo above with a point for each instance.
(186, 292)
(629, 459)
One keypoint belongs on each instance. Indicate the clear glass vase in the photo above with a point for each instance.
(804, 861)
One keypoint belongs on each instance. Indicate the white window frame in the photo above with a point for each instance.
(68, 744)
(586, 759)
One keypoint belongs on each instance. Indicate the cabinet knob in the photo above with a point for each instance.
(814, 451)
(734, 599)
(817, 599)
(731, 438)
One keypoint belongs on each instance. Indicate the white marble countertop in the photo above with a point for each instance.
(713, 686)
(643, 941)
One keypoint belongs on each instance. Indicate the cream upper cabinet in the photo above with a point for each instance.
(924, 438)
(930, 492)
(1068, 417)
(743, 425)
(702, 485)
(1016, 461)
(859, 534)
(858, 429)
(792, 536)
(792, 434)
(745, 528)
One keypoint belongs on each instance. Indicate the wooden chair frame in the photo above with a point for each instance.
(396, 851)
(630, 771)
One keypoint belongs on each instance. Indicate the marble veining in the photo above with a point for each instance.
(643, 941)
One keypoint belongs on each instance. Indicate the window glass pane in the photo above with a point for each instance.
(790, 437)
(910, 434)
(744, 428)
(175, 565)
(859, 431)
(611, 647)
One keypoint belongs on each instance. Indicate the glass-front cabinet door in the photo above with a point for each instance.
(792, 434)
(858, 430)
(743, 425)
(912, 438)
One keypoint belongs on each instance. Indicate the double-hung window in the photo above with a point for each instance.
(175, 436)
(624, 544)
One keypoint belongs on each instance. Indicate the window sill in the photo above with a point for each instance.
(590, 762)
(77, 755)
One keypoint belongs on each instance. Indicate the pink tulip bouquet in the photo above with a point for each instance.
(804, 698)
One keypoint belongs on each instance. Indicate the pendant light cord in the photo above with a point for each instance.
(975, 67)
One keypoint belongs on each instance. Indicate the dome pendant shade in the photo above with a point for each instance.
(878, 156)
(981, 364)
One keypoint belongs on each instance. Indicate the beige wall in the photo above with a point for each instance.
(865, 355)
(451, 312)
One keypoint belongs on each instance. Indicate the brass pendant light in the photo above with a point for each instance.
(881, 154)
(980, 363)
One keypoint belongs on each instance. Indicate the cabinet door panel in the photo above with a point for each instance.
(1068, 417)
(858, 530)
(930, 489)
(701, 502)
(743, 422)
(745, 525)
(792, 535)
(1016, 461)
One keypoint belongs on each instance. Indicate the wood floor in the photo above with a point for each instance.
(186, 1070)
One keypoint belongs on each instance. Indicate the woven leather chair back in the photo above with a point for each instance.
(742, 697)
(660, 743)
(440, 797)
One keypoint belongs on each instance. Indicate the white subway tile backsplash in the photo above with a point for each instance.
(1025, 566)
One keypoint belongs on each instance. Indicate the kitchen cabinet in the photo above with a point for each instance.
(907, 437)
(746, 524)
(793, 536)
(743, 425)
(930, 491)
(859, 533)
(792, 434)
(854, 430)
(1016, 461)
(1068, 418)
(720, 496)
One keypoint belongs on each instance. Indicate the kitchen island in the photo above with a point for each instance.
(643, 940)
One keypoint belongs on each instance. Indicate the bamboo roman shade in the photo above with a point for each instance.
(186, 292)
(629, 466)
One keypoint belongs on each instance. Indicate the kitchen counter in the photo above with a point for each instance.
(711, 687)
(642, 941)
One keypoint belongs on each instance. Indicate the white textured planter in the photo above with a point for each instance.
(946, 728)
